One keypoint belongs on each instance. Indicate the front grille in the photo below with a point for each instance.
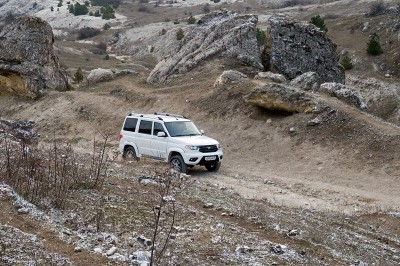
(208, 148)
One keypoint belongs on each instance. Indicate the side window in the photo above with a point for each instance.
(130, 124)
(157, 128)
(145, 127)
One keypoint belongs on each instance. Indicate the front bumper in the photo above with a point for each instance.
(199, 158)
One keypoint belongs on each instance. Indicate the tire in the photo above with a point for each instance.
(213, 167)
(130, 154)
(178, 164)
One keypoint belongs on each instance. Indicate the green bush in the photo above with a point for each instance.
(106, 57)
(106, 26)
(374, 45)
(163, 31)
(261, 37)
(180, 34)
(78, 9)
(113, 3)
(107, 12)
(319, 22)
(346, 63)
(191, 20)
(78, 76)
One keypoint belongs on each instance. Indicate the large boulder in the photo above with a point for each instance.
(230, 76)
(28, 65)
(221, 33)
(272, 77)
(308, 81)
(280, 97)
(100, 75)
(294, 48)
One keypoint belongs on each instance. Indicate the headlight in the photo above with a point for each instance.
(219, 146)
(191, 147)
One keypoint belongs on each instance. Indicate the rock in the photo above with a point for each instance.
(19, 130)
(296, 47)
(308, 81)
(141, 257)
(124, 72)
(100, 75)
(111, 251)
(144, 241)
(145, 180)
(279, 97)
(343, 93)
(243, 249)
(314, 122)
(208, 205)
(216, 239)
(230, 76)
(221, 33)
(278, 249)
(269, 76)
(293, 232)
(292, 130)
(28, 65)
(365, 27)
(98, 250)
(78, 249)
(23, 210)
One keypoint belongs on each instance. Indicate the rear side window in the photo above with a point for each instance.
(145, 127)
(130, 124)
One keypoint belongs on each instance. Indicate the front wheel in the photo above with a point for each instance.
(178, 164)
(213, 167)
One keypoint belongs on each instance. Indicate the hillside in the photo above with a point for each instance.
(288, 193)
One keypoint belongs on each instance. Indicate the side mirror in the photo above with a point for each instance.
(201, 132)
(161, 134)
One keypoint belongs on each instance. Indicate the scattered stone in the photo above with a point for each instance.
(314, 122)
(278, 249)
(365, 27)
(98, 250)
(308, 81)
(142, 258)
(269, 182)
(292, 130)
(28, 64)
(23, 210)
(243, 249)
(111, 251)
(144, 241)
(230, 76)
(124, 72)
(269, 76)
(280, 97)
(208, 205)
(78, 249)
(216, 239)
(293, 232)
(100, 75)
(343, 93)
(145, 180)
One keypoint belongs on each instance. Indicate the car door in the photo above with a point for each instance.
(159, 144)
(144, 137)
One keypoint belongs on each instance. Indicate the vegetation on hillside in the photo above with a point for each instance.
(319, 22)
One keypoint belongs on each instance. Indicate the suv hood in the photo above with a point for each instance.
(195, 140)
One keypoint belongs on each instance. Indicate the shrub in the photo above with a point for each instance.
(106, 57)
(374, 45)
(191, 20)
(176, 21)
(261, 37)
(163, 31)
(376, 9)
(51, 9)
(107, 12)
(101, 46)
(180, 34)
(78, 76)
(78, 9)
(106, 26)
(143, 8)
(319, 22)
(206, 8)
(97, 13)
(113, 3)
(87, 3)
(87, 32)
(346, 63)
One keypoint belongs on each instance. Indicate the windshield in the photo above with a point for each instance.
(182, 128)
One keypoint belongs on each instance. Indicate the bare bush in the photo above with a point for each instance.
(144, 8)
(87, 32)
(376, 9)
(45, 175)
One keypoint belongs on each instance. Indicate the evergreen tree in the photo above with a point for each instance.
(374, 45)
(319, 22)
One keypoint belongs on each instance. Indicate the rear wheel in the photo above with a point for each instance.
(213, 167)
(178, 164)
(130, 154)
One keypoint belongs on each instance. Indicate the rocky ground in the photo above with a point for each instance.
(294, 189)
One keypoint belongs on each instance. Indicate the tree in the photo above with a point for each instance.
(319, 22)
(261, 37)
(191, 20)
(374, 45)
(107, 12)
(106, 26)
(180, 34)
(346, 63)
(78, 76)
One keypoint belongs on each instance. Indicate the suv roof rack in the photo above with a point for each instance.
(173, 115)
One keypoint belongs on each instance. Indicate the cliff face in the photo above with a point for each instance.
(28, 65)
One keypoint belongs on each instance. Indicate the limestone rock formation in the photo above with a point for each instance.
(295, 48)
(269, 76)
(308, 81)
(230, 76)
(343, 93)
(100, 75)
(279, 97)
(221, 33)
(28, 66)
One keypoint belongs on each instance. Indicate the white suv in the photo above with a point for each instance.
(169, 138)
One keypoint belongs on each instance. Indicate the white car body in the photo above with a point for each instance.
(141, 132)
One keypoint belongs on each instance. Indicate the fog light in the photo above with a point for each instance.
(193, 159)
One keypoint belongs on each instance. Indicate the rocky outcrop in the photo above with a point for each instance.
(100, 75)
(28, 65)
(269, 76)
(343, 93)
(19, 131)
(279, 97)
(294, 48)
(230, 76)
(308, 81)
(223, 33)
